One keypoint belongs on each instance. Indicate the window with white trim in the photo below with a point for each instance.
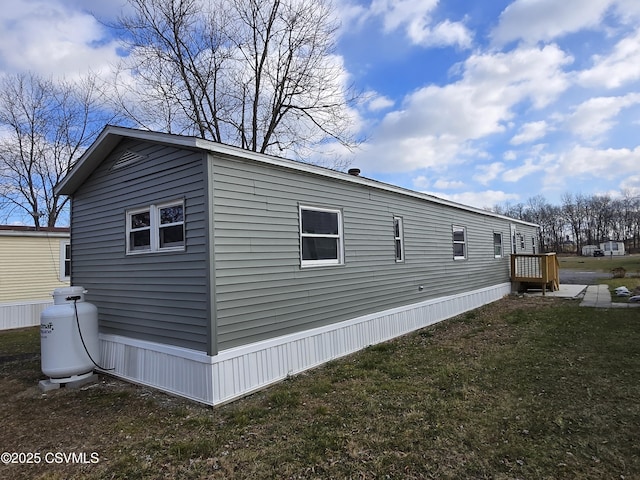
(65, 261)
(156, 228)
(459, 243)
(398, 236)
(497, 244)
(321, 240)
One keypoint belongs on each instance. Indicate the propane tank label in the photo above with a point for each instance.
(46, 329)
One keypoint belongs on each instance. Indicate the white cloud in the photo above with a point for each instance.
(607, 163)
(442, 34)
(488, 173)
(545, 20)
(437, 126)
(628, 10)
(518, 173)
(595, 117)
(631, 184)
(509, 155)
(617, 69)
(530, 132)
(351, 16)
(525, 73)
(379, 102)
(444, 184)
(421, 182)
(389, 153)
(48, 37)
(415, 17)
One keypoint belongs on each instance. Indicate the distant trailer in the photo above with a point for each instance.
(612, 248)
(587, 250)
(34, 263)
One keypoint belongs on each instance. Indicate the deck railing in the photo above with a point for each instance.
(541, 270)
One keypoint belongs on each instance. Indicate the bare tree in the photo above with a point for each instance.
(258, 75)
(171, 78)
(46, 126)
(573, 207)
(590, 219)
(630, 213)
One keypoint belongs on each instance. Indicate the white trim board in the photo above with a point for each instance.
(21, 314)
(239, 371)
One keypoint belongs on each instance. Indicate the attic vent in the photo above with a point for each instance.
(127, 158)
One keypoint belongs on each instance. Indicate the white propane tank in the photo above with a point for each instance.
(63, 356)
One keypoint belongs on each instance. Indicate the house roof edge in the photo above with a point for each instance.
(111, 135)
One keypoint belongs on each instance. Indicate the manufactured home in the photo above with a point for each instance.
(612, 248)
(217, 271)
(34, 263)
(589, 250)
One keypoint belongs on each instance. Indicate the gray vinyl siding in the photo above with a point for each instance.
(160, 297)
(261, 291)
(239, 279)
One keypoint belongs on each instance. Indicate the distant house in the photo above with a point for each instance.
(612, 248)
(217, 271)
(34, 263)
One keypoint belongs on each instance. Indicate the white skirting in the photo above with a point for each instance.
(238, 371)
(22, 314)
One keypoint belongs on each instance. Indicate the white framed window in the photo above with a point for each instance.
(321, 239)
(459, 243)
(65, 261)
(398, 235)
(156, 228)
(497, 245)
(522, 242)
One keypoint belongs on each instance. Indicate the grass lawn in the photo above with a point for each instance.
(631, 263)
(630, 282)
(528, 388)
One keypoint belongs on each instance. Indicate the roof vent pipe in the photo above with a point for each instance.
(354, 171)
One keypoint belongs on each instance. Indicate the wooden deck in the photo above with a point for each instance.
(538, 270)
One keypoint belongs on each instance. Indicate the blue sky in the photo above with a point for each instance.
(478, 102)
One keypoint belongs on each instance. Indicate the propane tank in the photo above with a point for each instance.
(69, 336)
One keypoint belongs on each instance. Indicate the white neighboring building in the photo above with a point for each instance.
(587, 250)
(612, 248)
(33, 264)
